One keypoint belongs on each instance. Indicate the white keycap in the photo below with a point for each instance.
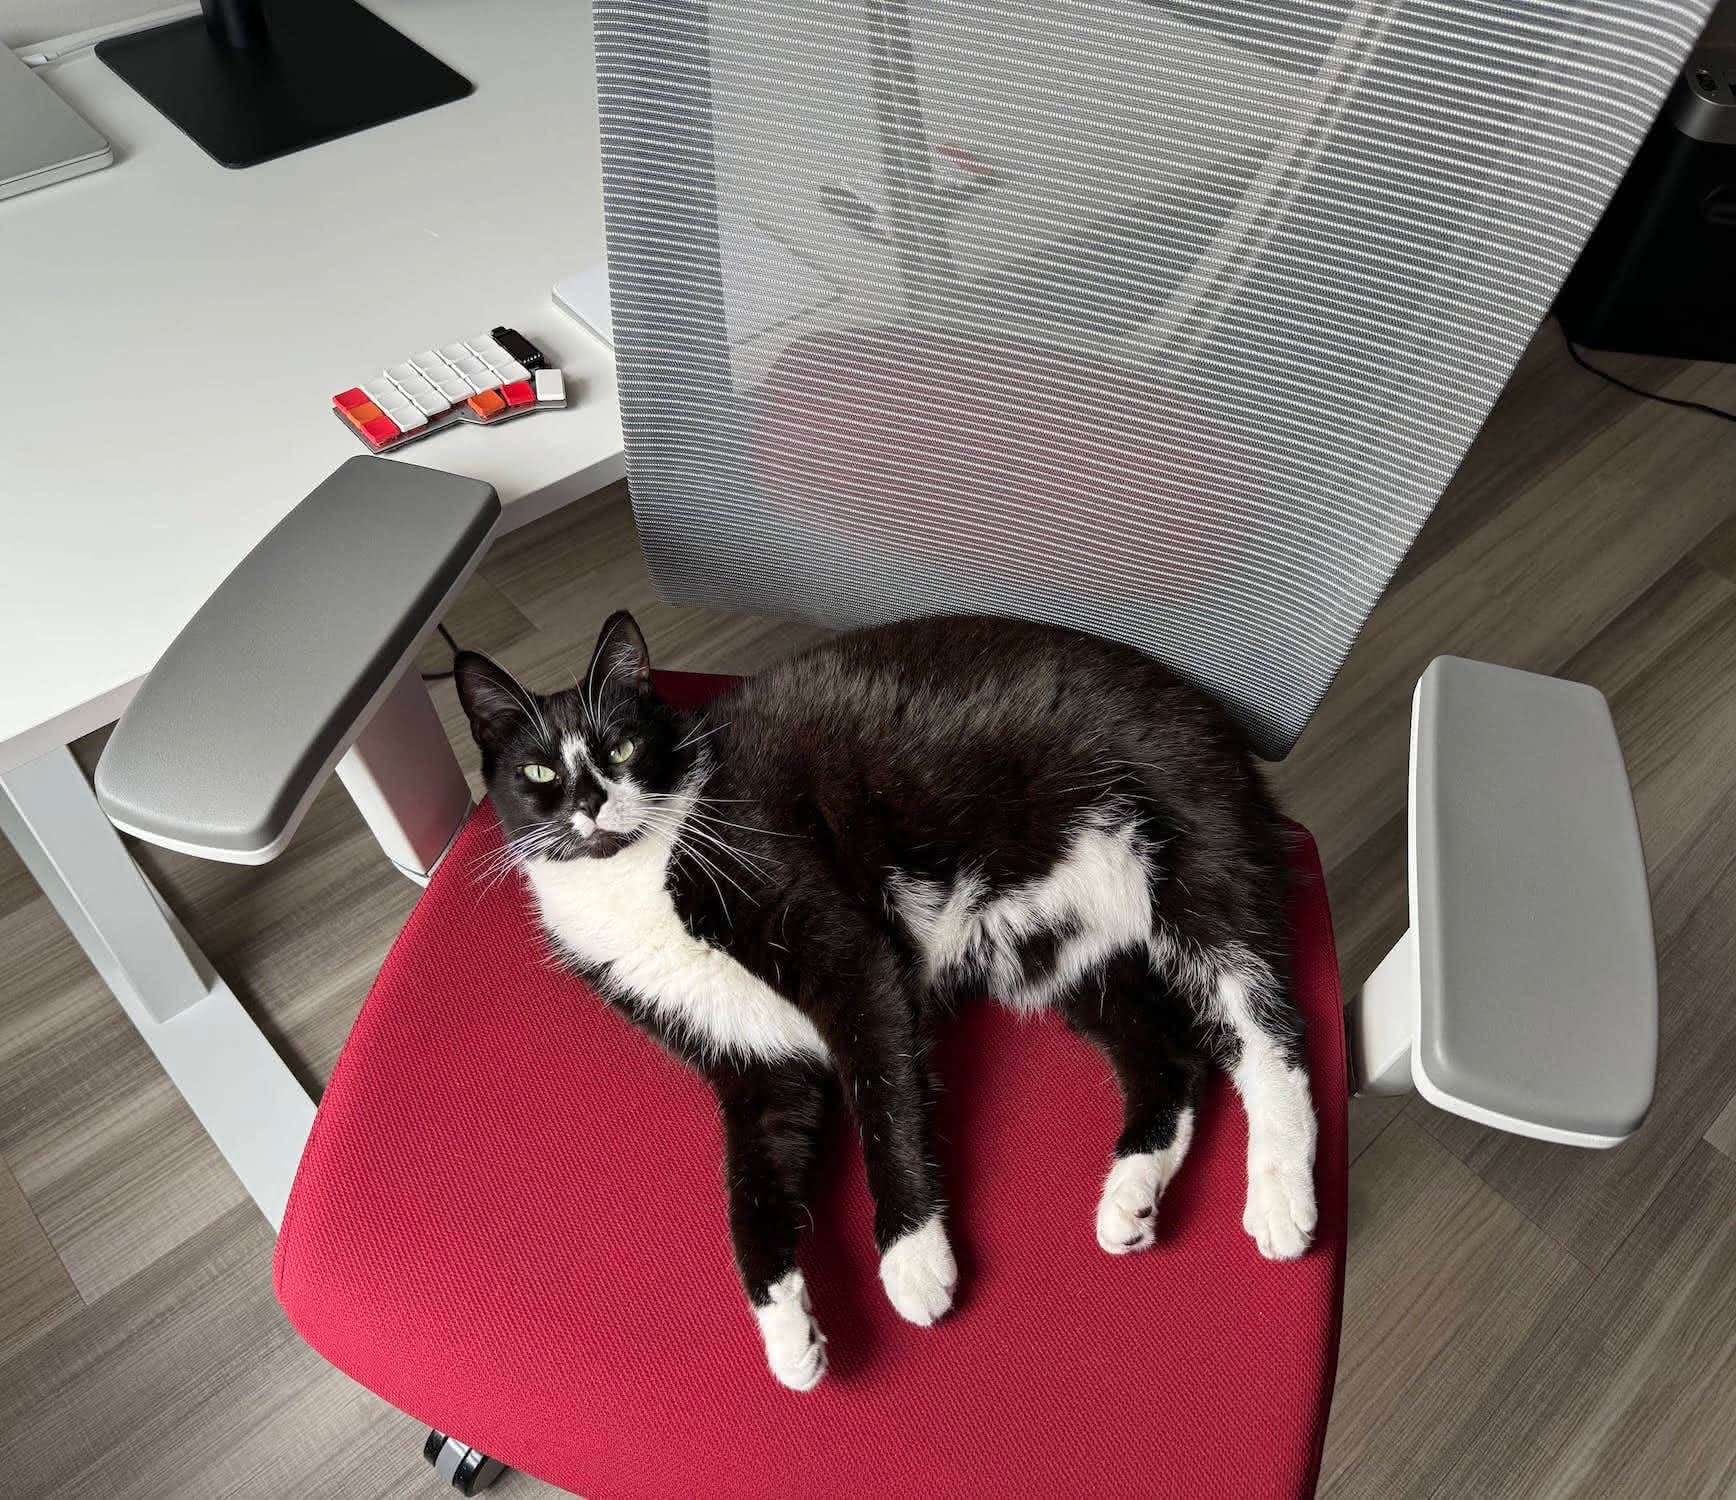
(380, 390)
(428, 364)
(452, 353)
(427, 400)
(398, 374)
(550, 386)
(512, 370)
(492, 355)
(481, 378)
(408, 419)
(454, 387)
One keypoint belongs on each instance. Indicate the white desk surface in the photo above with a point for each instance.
(174, 332)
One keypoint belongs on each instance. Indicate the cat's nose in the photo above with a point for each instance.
(587, 802)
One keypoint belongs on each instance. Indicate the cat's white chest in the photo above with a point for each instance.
(618, 912)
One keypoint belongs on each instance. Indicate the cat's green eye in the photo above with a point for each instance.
(542, 775)
(622, 753)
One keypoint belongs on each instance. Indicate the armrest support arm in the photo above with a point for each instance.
(235, 729)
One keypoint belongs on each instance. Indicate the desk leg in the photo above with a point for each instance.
(242, 1092)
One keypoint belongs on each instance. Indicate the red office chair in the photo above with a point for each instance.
(487, 1231)
(1201, 402)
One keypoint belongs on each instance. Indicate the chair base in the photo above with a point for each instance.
(468, 1470)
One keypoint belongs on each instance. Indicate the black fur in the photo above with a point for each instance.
(934, 748)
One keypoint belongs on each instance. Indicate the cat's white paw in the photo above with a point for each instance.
(919, 1273)
(795, 1347)
(1280, 1214)
(1127, 1211)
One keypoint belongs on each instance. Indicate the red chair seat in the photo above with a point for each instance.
(509, 1222)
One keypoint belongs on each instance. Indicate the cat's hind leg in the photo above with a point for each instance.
(772, 1117)
(1260, 1044)
(1146, 1033)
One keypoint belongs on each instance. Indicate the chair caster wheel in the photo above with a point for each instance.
(468, 1470)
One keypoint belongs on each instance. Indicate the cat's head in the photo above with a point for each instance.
(578, 774)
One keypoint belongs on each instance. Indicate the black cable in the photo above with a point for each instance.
(456, 648)
(1634, 390)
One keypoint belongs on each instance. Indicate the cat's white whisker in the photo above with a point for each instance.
(509, 852)
(694, 739)
(596, 656)
(677, 854)
(698, 825)
(745, 827)
(500, 862)
(602, 688)
(758, 863)
(712, 865)
(678, 848)
(532, 707)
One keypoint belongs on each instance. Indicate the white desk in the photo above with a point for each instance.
(254, 296)
(175, 332)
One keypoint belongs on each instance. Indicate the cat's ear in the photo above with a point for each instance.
(620, 656)
(493, 701)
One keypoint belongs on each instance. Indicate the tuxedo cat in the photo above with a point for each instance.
(789, 886)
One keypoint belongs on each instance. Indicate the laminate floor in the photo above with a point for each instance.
(1520, 1319)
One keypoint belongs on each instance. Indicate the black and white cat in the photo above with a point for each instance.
(789, 886)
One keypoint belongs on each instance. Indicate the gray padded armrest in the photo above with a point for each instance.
(1536, 971)
(232, 732)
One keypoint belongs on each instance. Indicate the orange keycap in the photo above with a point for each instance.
(487, 404)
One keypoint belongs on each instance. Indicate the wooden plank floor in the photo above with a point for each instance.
(1520, 1319)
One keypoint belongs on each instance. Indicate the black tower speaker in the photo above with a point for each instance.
(1658, 275)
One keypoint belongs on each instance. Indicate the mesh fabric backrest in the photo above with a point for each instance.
(1166, 318)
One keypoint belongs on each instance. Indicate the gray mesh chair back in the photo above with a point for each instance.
(1169, 319)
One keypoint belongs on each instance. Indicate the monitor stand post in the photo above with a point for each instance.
(236, 23)
(250, 80)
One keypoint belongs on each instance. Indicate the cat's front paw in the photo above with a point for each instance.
(1127, 1211)
(1280, 1214)
(795, 1347)
(919, 1273)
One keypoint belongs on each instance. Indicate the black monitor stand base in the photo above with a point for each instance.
(250, 80)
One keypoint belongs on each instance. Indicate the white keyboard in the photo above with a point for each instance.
(486, 378)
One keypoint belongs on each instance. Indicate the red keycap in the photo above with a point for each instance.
(352, 397)
(381, 429)
(518, 393)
